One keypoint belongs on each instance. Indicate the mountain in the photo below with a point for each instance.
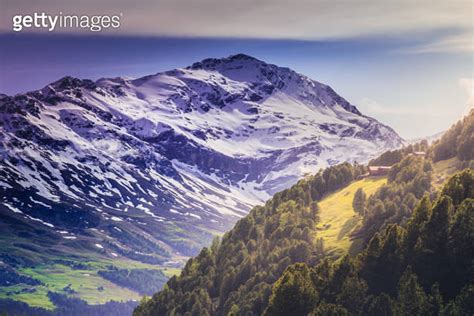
(148, 170)
(174, 155)
(406, 248)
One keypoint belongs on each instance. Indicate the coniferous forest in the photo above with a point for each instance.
(415, 255)
(237, 158)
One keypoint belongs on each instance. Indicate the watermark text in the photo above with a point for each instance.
(93, 23)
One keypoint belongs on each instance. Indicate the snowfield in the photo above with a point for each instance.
(179, 154)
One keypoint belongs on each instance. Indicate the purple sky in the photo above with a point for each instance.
(400, 62)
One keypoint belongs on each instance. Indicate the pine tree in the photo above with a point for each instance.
(463, 304)
(460, 187)
(435, 301)
(359, 201)
(294, 293)
(433, 264)
(411, 297)
(383, 261)
(325, 309)
(416, 222)
(381, 305)
(352, 294)
(461, 245)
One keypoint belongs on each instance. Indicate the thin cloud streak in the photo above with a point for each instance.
(459, 43)
(271, 19)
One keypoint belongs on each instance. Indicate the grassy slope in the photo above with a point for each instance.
(39, 298)
(443, 170)
(337, 217)
(84, 282)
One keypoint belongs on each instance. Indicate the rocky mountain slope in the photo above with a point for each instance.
(150, 168)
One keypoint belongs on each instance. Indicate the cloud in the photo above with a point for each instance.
(267, 19)
(459, 43)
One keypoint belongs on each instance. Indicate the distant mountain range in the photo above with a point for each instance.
(150, 169)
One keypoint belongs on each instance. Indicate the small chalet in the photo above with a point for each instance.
(379, 170)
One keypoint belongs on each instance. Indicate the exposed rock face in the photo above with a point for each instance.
(157, 163)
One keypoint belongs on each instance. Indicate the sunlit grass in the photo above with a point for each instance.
(39, 298)
(337, 217)
(85, 283)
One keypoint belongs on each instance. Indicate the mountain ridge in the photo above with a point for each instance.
(235, 129)
(148, 170)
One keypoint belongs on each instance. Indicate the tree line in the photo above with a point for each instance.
(417, 258)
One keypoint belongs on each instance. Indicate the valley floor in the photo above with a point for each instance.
(83, 282)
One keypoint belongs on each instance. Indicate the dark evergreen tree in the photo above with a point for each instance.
(294, 293)
(381, 305)
(435, 301)
(324, 309)
(411, 297)
(358, 203)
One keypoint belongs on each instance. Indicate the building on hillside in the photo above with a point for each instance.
(379, 170)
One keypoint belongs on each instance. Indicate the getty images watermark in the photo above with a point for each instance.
(93, 23)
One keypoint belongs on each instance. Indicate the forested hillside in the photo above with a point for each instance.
(123, 177)
(423, 269)
(458, 141)
(417, 243)
(237, 273)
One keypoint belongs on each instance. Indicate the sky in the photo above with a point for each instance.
(409, 64)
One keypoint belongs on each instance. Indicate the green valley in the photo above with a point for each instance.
(78, 279)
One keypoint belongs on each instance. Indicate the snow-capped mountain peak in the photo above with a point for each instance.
(192, 146)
